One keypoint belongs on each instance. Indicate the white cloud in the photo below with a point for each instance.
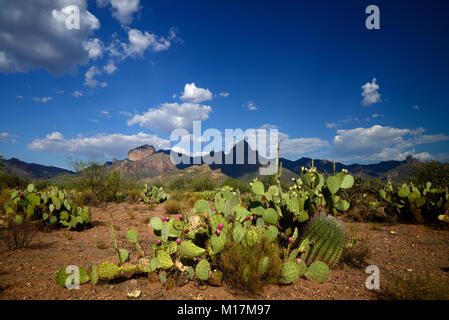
(110, 67)
(106, 145)
(34, 36)
(19, 97)
(5, 136)
(90, 80)
(94, 47)
(379, 143)
(122, 10)
(140, 41)
(77, 94)
(251, 106)
(43, 99)
(416, 107)
(330, 125)
(94, 120)
(196, 95)
(224, 94)
(370, 93)
(170, 116)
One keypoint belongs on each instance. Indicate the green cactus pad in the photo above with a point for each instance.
(203, 270)
(289, 272)
(348, 182)
(124, 255)
(131, 235)
(258, 188)
(317, 272)
(108, 270)
(164, 260)
(156, 223)
(218, 242)
(270, 216)
(94, 274)
(188, 249)
(238, 233)
(202, 206)
(271, 233)
(251, 237)
(333, 184)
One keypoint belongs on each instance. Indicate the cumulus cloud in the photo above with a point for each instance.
(196, 95)
(140, 41)
(379, 143)
(102, 145)
(122, 10)
(94, 48)
(170, 116)
(89, 78)
(34, 36)
(224, 94)
(370, 93)
(43, 99)
(110, 68)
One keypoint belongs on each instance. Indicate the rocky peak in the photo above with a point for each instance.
(141, 152)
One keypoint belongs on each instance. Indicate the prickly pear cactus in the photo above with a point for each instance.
(188, 249)
(61, 276)
(131, 235)
(317, 272)
(108, 270)
(94, 274)
(203, 270)
(238, 233)
(327, 237)
(289, 272)
(164, 260)
(263, 265)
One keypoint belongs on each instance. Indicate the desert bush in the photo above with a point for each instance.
(203, 184)
(369, 210)
(12, 181)
(133, 196)
(364, 187)
(433, 171)
(241, 265)
(172, 207)
(16, 233)
(179, 184)
(237, 185)
(86, 198)
(357, 248)
(418, 287)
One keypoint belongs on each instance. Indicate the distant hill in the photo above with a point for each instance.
(32, 170)
(144, 163)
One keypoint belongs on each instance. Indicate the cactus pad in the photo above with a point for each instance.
(317, 272)
(203, 270)
(189, 250)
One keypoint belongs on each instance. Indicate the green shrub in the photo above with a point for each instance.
(237, 185)
(435, 172)
(203, 184)
(172, 207)
(86, 198)
(179, 184)
(241, 265)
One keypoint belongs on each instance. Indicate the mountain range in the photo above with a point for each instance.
(145, 163)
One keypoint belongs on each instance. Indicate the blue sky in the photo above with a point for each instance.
(135, 70)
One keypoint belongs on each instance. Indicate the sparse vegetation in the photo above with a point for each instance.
(172, 207)
(418, 287)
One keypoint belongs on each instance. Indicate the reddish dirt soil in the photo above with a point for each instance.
(29, 273)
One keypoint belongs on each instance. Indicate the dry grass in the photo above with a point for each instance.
(101, 245)
(240, 265)
(421, 287)
(356, 249)
(17, 236)
(172, 207)
(131, 213)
